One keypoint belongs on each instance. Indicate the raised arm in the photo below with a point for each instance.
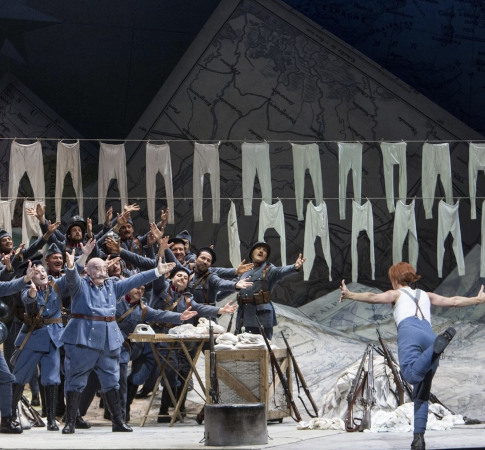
(457, 301)
(367, 297)
(86, 249)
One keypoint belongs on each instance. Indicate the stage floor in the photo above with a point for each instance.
(189, 435)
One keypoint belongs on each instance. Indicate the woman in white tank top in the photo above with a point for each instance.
(419, 347)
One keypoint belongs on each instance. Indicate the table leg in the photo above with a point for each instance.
(193, 370)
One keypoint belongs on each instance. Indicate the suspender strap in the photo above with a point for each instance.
(38, 316)
(125, 314)
(416, 301)
(204, 278)
(171, 308)
(265, 271)
(129, 311)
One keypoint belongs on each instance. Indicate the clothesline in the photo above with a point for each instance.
(222, 141)
(239, 198)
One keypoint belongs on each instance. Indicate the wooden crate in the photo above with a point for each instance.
(245, 376)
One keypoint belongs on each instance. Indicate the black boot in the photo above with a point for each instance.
(131, 390)
(200, 416)
(144, 393)
(442, 341)
(418, 442)
(17, 391)
(112, 399)
(72, 405)
(35, 401)
(106, 414)
(61, 406)
(50, 406)
(182, 410)
(81, 423)
(163, 416)
(10, 426)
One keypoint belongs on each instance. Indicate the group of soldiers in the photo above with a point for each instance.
(70, 310)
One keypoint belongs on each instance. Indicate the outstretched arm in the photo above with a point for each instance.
(228, 308)
(367, 297)
(456, 301)
(86, 249)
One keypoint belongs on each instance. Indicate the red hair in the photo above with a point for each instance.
(403, 273)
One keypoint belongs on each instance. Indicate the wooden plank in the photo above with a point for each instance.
(266, 392)
(239, 388)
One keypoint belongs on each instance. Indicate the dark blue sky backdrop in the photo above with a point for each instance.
(99, 64)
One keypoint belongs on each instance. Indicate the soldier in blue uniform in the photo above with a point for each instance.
(92, 339)
(129, 314)
(9, 425)
(172, 295)
(39, 339)
(254, 301)
(185, 236)
(205, 284)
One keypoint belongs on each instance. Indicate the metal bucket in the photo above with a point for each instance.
(235, 424)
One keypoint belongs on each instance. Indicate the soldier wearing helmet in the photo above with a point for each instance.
(254, 301)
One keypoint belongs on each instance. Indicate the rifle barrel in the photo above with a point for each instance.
(299, 375)
(283, 380)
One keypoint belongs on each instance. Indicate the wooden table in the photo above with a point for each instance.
(175, 343)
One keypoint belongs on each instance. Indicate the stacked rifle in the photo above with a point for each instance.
(284, 381)
(300, 380)
(362, 387)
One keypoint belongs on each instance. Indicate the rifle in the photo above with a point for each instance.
(284, 382)
(390, 362)
(240, 323)
(356, 388)
(300, 379)
(214, 389)
(37, 419)
(369, 400)
(229, 326)
(401, 381)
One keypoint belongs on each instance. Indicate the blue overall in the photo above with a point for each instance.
(415, 339)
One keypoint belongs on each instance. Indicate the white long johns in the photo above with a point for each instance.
(112, 164)
(306, 157)
(476, 162)
(349, 157)
(436, 161)
(233, 236)
(482, 249)
(272, 216)
(26, 158)
(449, 222)
(68, 160)
(405, 225)
(30, 224)
(6, 216)
(255, 159)
(362, 219)
(316, 224)
(206, 160)
(158, 160)
(394, 153)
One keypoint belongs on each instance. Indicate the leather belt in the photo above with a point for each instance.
(95, 318)
(55, 320)
(255, 300)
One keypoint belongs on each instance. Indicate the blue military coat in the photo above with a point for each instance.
(162, 289)
(265, 312)
(40, 338)
(91, 300)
